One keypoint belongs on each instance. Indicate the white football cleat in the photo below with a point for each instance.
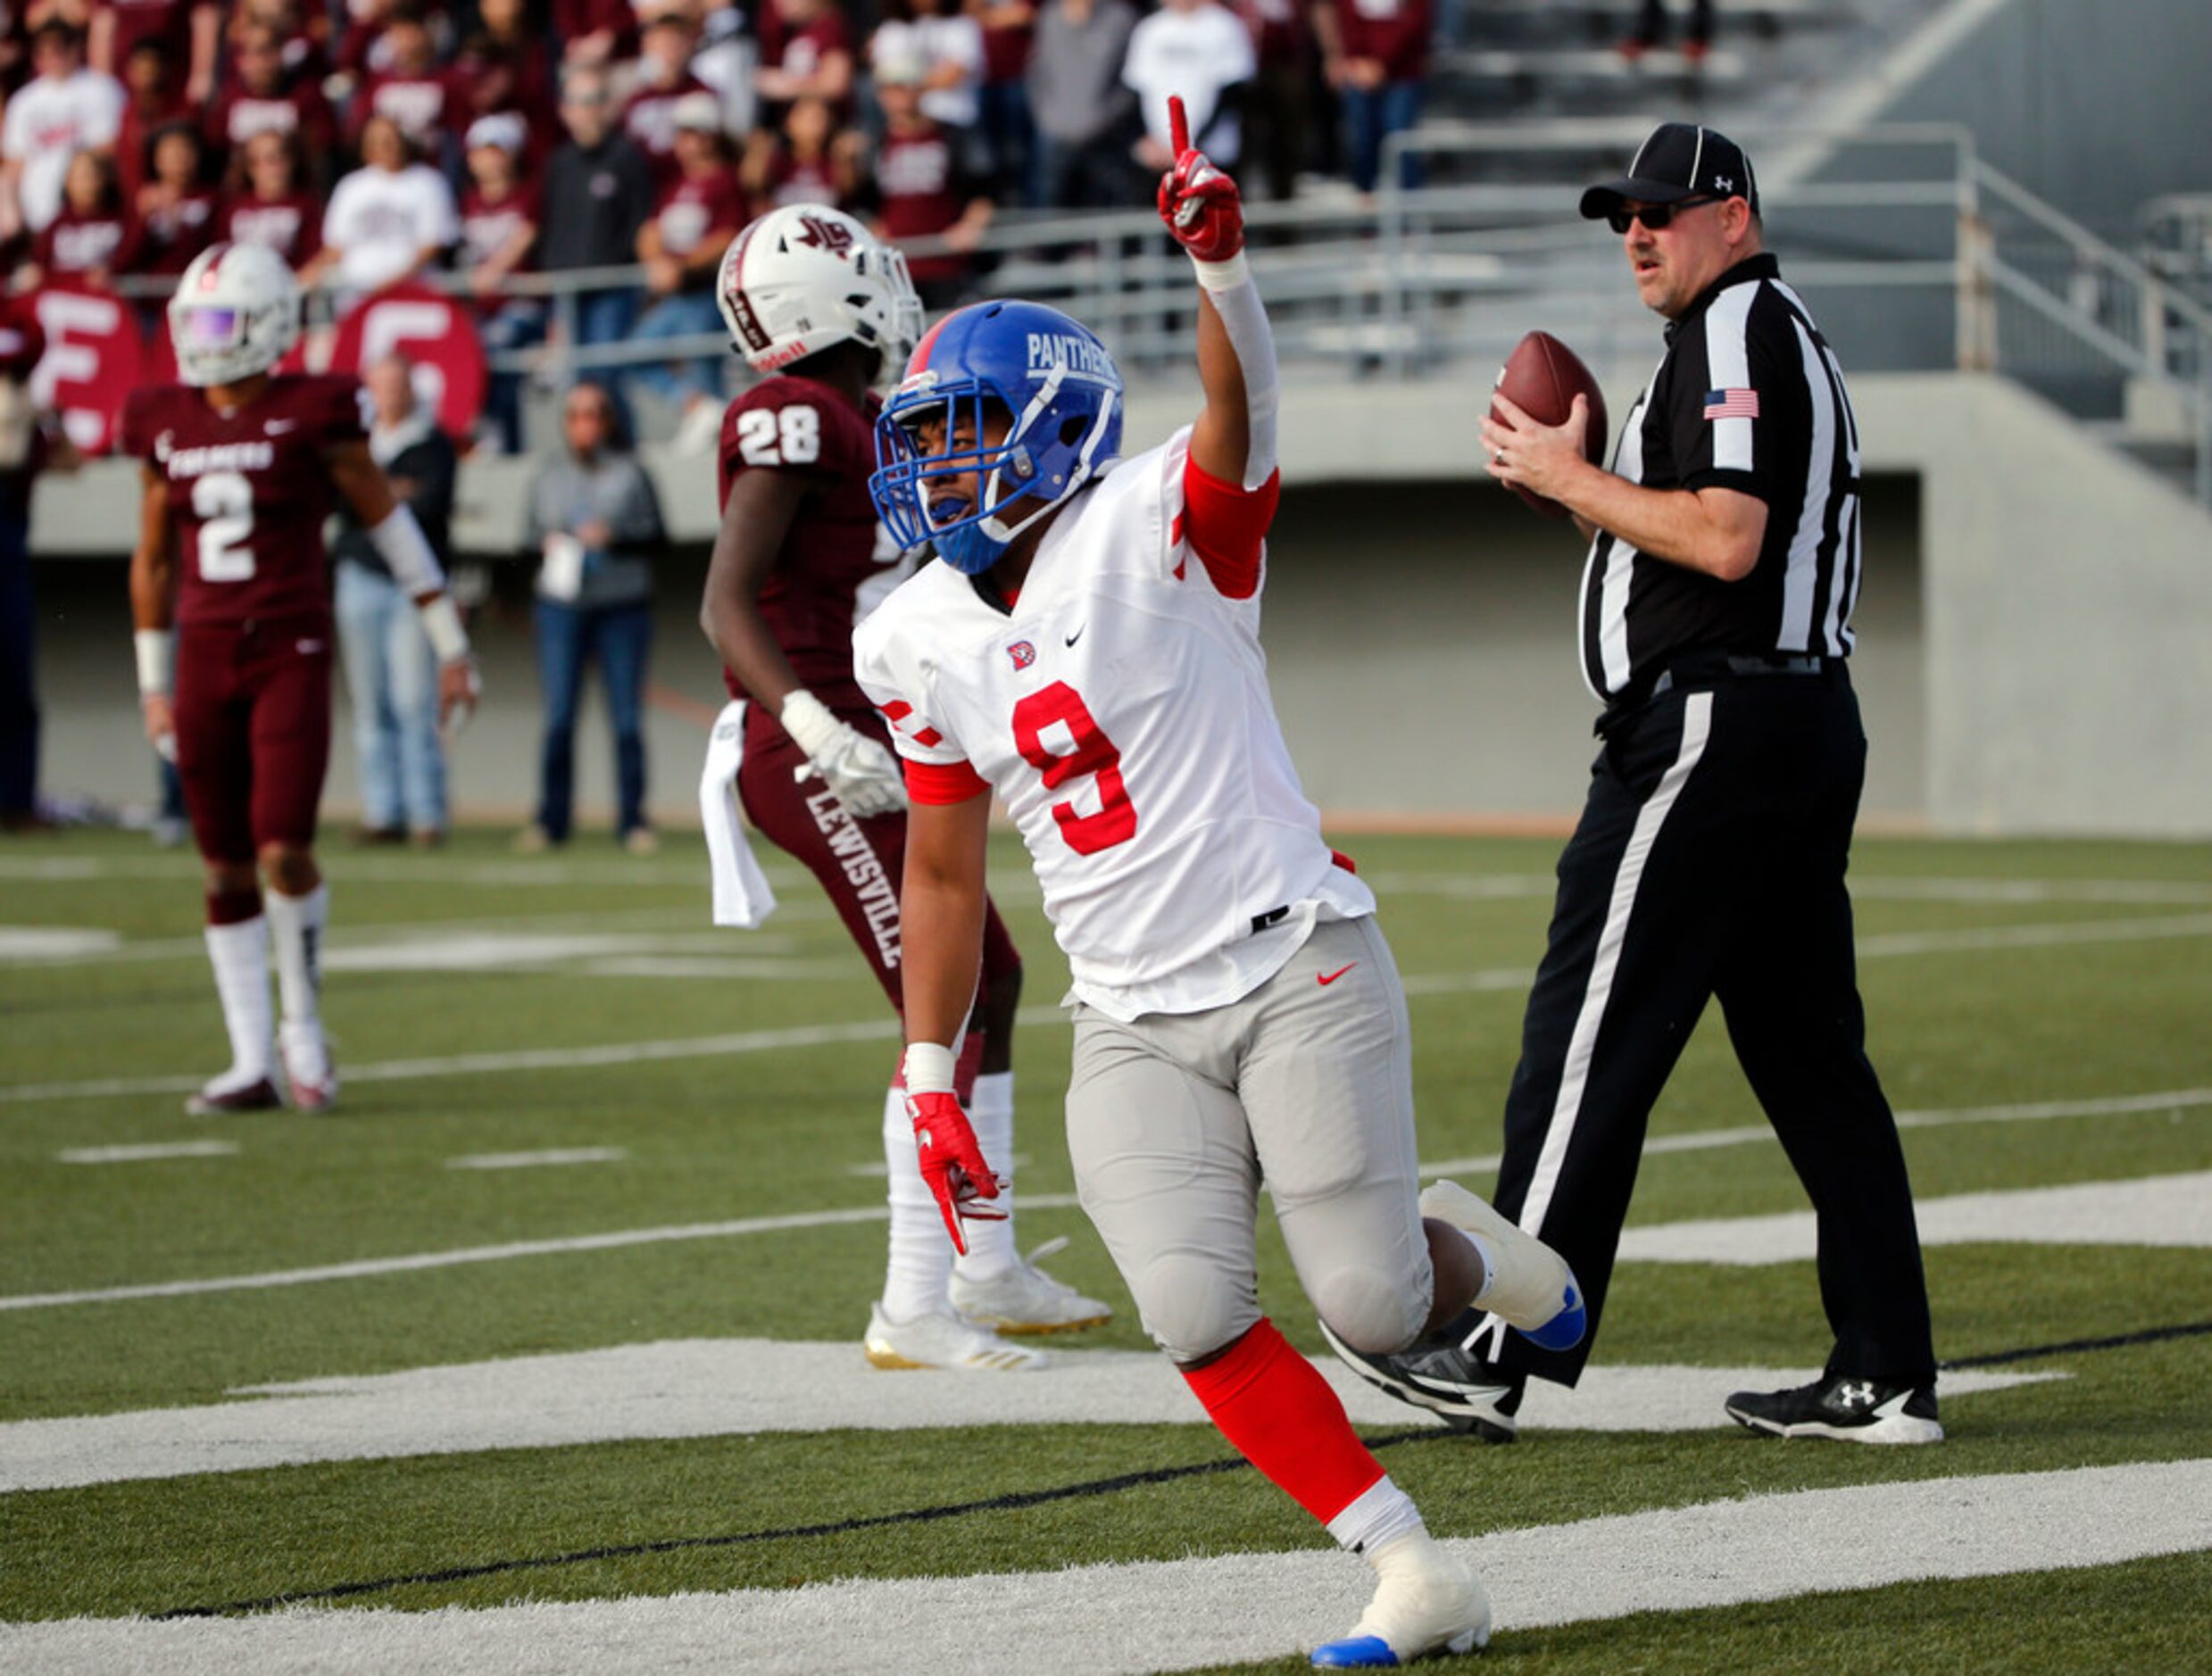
(235, 1090)
(945, 1340)
(310, 1074)
(1026, 1299)
(1533, 1290)
(1428, 1600)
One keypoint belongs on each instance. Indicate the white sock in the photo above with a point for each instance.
(1375, 1518)
(920, 1263)
(240, 953)
(1487, 1249)
(296, 925)
(991, 1249)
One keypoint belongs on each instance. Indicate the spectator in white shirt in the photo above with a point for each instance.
(947, 45)
(388, 220)
(64, 110)
(1204, 52)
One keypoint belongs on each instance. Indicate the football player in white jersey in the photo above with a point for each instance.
(1089, 650)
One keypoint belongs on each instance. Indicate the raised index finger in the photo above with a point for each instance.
(1179, 125)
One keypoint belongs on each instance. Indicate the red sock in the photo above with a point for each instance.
(1278, 1411)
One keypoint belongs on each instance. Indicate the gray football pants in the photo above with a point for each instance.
(1175, 1119)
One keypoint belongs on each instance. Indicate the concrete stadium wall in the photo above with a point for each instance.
(2035, 647)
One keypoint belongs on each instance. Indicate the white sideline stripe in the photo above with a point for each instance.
(2176, 1100)
(1697, 718)
(530, 1160)
(1179, 1615)
(42, 943)
(1423, 984)
(369, 1268)
(701, 1388)
(151, 1149)
(2159, 1210)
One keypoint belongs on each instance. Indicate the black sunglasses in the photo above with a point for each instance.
(1655, 215)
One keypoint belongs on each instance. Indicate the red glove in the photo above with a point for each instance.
(1199, 203)
(951, 1163)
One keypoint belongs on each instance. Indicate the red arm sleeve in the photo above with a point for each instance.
(942, 783)
(1227, 527)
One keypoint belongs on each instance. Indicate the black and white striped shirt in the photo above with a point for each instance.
(1748, 397)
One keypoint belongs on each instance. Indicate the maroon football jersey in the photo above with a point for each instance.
(248, 492)
(796, 424)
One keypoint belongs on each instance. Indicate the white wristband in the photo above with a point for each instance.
(1222, 276)
(441, 621)
(927, 1068)
(807, 719)
(157, 660)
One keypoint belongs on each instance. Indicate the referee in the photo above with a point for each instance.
(1710, 858)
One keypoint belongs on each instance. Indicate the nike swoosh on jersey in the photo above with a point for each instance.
(1326, 978)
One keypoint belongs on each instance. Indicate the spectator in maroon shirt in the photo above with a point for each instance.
(304, 35)
(681, 247)
(664, 79)
(364, 46)
(424, 100)
(499, 220)
(813, 160)
(268, 202)
(812, 57)
(1376, 54)
(504, 66)
(923, 191)
(261, 96)
(595, 31)
(191, 30)
(94, 237)
(1010, 134)
(176, 205)
(150, 99)
(1278, 104)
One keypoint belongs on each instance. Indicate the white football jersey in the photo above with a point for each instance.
(1122, 709)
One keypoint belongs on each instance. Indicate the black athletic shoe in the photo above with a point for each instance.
(1835, 1405)
(1471, 1394)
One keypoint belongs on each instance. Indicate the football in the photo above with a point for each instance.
(1542, 378)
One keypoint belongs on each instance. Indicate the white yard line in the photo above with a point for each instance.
(150, 1150)
(2159, 1210)
(1161, 1615)
(703, 1387)
(534, 1160)
(2176, 1100)
(758, 1041)
(2162, 1210)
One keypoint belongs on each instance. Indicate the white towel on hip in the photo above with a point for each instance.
(742, 896)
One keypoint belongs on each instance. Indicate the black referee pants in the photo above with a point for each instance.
(1709, 861)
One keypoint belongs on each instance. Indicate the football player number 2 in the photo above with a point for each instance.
(1059, 711)
(223, 502)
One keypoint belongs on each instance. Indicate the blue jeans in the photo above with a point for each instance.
(681, 314)
(1370, 117)
(19, 690)
(606, 317)
(567, 638)
(392, 674)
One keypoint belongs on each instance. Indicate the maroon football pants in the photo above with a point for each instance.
(861, 864)
(253, 731)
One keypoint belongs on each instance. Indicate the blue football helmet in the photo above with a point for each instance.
(1046, 374)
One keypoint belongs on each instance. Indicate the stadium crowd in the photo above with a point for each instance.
(376, 141)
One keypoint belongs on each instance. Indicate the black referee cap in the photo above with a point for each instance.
(1680, 161)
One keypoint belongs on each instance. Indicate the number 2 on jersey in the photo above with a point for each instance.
(1094, 754)
(223, 502)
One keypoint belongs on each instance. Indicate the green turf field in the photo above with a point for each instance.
(2039, 1012)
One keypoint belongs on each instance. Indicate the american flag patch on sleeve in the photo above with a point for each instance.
(1720, 404)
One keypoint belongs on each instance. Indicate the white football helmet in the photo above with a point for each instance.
(235, 312)
(805, 277)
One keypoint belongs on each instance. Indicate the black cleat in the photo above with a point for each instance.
(1836, 1406)
(1472, 1394)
